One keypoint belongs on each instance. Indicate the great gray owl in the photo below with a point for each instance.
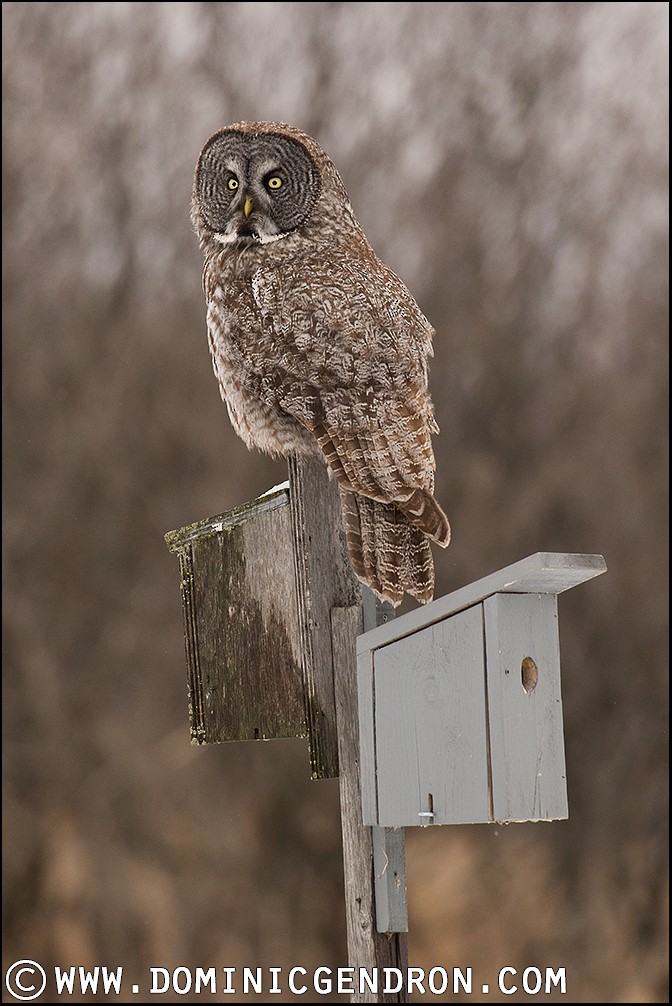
(318, 347)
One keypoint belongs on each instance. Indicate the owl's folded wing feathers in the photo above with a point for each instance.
(388, 459)
(355, 376)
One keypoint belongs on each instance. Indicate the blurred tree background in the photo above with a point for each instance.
(509, 161)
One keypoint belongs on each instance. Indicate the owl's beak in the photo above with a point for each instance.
(247, 208)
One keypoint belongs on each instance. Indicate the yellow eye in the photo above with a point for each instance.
(274, 182)
(232, 184)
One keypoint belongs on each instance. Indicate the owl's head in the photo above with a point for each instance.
(257, 182)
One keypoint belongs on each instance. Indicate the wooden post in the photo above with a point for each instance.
(324, 580)
(334, 610)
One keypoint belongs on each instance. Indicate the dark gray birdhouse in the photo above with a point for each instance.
(460, 711)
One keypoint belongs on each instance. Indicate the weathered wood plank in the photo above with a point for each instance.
(324, 580)
(273, 499)
(430, 733)
(367, 736)
(526, 741)
(543, 573)
(194, 681)
(241, 624)
(367, 948)
(389, 870)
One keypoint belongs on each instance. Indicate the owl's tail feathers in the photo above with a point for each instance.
(427, 515)
(386, 483)
(387, 551)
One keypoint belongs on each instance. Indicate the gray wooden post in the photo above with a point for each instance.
(333, 610)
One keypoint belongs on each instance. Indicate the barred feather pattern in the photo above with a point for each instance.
(319, 348)
(386, 550)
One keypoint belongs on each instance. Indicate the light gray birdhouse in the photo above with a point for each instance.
(460, 709)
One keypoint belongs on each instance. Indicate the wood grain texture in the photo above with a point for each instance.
(324, 580)
(389, 872)
(194, 680)
(526, 732)
(275, 498)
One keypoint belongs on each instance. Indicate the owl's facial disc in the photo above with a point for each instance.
(255, 189)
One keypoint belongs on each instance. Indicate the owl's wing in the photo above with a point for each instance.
(351, 366)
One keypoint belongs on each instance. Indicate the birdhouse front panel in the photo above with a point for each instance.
(430, 725)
